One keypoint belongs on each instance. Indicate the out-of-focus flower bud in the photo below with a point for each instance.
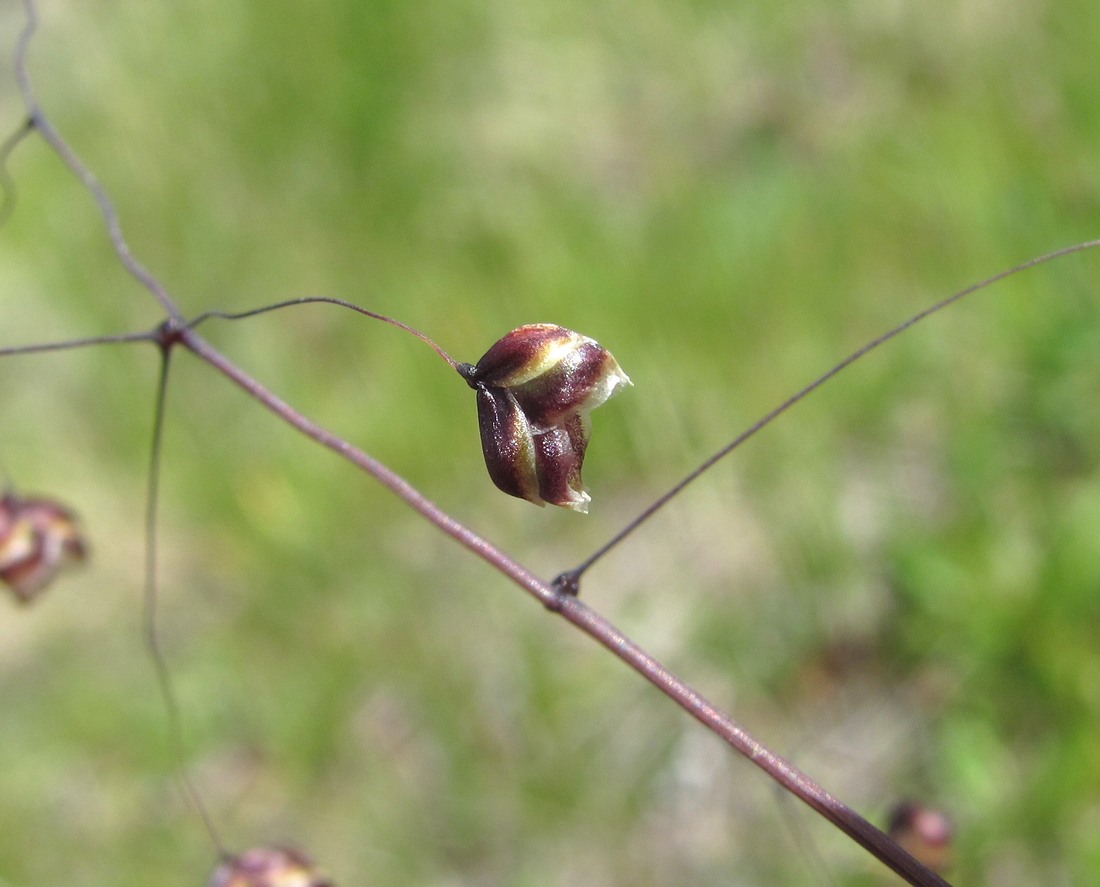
(38, 538)
(926, 834)
(535, 388)
(269, 867)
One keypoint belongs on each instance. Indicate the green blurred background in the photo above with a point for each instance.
(897, 585)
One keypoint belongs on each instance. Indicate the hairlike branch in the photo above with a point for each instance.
(152, 634)
(570, 580)
(70, 344)
(328, 300)
(38, 120)
(559, 596)
(591, 623)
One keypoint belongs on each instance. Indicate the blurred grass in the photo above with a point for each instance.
(897, 584)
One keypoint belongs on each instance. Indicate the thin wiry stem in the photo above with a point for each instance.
(68, 344)
(69, 157)
(307, 300)
(789, 777)
(175, 331)
(570, 580)
(595, 626)
(152, 634)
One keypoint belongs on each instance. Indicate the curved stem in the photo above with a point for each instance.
(594, 625)
(40, 122)
(174, 331)
(152, 634)
(308, 300)
(571, 579)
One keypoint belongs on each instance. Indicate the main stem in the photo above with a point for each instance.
(591, 623)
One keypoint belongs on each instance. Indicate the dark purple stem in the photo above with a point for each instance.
(782, 771)
(174, 332)
(594, 625)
